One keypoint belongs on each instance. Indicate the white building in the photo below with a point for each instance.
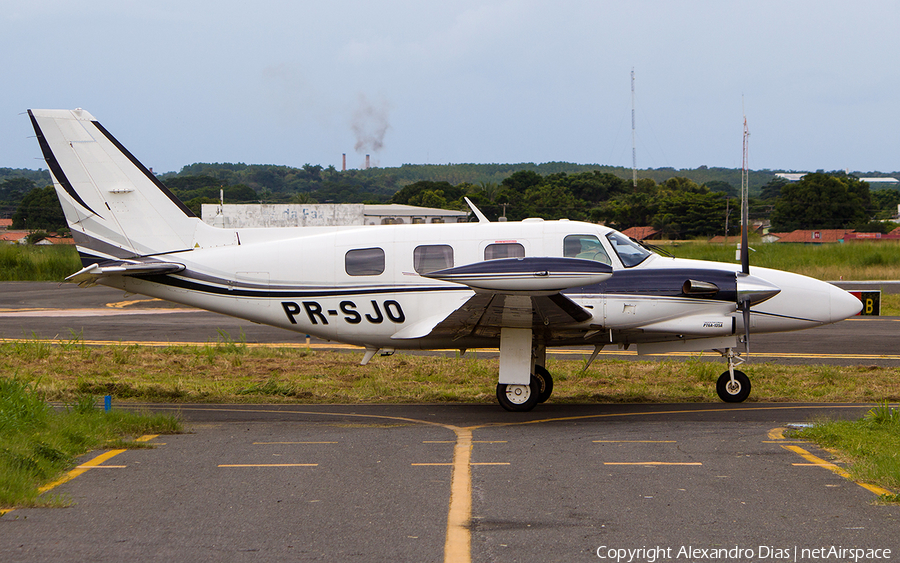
(235, 216)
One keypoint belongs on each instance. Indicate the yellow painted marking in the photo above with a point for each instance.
(819, 462)
(100, 466)
(80, 469)
(147, 438)
(784, 442)
(458, 542)
(271, 465)
(336, 346)
(451, 464)
(289, 443)
(651, 463)
(121, 304)
(635, 441)
(777, 433)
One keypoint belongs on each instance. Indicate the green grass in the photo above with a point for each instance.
(871, 444)
(848, 261)
(19, 262)
(38, 443)
(229, 372)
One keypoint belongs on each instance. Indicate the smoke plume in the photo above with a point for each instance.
(370, 123)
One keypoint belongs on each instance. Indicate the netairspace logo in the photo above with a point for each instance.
(761, 553)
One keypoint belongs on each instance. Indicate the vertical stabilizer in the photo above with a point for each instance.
(115, 207)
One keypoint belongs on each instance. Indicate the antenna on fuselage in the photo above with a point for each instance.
(476, 211)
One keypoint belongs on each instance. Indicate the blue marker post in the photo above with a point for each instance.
(107, 403)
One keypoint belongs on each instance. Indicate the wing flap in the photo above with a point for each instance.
(484, 314)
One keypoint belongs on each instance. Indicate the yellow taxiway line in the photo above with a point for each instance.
(338, 346)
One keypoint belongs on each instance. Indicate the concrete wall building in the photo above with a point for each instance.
(235, 216)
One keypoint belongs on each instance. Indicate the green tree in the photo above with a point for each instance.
(773, 188)
(723, 187)
(822, 201)
(40, 210)
(13, 189)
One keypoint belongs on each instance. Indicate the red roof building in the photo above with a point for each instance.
(641, 233)
(817, 236)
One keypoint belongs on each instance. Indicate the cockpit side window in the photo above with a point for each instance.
(585, 247)
(628, 251)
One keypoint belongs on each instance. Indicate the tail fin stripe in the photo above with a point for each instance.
(55, 168)
(184, 208)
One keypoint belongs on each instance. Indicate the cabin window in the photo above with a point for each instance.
(504, 250)
(629, 252)
(585, 247)
(364, 262)
(432, 257)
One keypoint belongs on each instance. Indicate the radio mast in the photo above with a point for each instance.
(633, 150)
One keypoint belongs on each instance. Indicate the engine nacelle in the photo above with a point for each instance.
(697, 325)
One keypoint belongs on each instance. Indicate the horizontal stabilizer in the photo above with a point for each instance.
(530, 276)
(88, 276)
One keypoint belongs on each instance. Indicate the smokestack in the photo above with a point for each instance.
(367, 162)
(344, 163)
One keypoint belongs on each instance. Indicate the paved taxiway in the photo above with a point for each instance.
(457, 483)
(100, 314)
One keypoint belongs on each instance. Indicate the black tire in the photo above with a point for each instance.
(546, 381)
(519, 398)
(736, 393)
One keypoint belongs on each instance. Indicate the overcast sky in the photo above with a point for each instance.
(295, 82)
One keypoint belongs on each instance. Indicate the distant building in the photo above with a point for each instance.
(642, 233)
(796, 176)
(235, 216)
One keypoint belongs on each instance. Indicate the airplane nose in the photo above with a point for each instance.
(843, 304)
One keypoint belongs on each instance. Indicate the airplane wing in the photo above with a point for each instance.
(89, 276)
(512, 293)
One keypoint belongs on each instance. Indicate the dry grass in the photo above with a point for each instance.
(234, 373)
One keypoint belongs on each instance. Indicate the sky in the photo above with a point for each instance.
(419, 82)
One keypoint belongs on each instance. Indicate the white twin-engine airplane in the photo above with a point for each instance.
(520, 286)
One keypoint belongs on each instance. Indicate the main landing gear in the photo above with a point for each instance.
(733, 385)
(523, 398)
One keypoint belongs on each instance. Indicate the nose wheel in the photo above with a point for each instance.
(733, 390)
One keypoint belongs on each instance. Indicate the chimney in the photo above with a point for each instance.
(367, 162)
(344, 162)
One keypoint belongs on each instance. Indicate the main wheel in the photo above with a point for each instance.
(519, 398)
(546, 381)
(736, 391)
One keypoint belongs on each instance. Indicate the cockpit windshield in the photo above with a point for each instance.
(629, 252)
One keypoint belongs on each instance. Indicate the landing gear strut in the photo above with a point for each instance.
(733, 385)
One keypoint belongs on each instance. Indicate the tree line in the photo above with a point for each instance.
(677, 205)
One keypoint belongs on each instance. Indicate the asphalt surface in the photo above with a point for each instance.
(447, 482)
(65, 311)
(377, 483)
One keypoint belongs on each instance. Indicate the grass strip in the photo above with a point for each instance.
(38, 443)
(871, 445)
(230, 372)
